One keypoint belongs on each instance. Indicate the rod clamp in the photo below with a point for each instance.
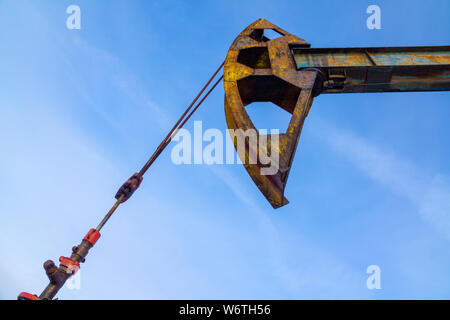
(70, 264)
(92, 236)
(27, 296)
(129, 187)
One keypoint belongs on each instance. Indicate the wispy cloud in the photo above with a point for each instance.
(130, 86)
(312, 276)
(429, 192)
(116, 74)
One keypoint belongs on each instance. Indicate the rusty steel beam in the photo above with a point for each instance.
(388, 69)
(287, 72)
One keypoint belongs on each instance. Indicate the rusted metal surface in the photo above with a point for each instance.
(389, 69)
(382, 56)
(68, 266)
(288, 73)
(259, 69)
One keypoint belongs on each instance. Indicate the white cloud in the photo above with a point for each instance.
(430, 193)
(317, 274)
(129, 85)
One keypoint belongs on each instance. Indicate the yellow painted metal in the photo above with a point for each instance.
(259, 69)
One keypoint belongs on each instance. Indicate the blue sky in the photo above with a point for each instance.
(81, 110)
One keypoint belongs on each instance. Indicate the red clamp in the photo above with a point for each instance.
(70, 264)
(92, 236)
(129, 187)
(27, 296)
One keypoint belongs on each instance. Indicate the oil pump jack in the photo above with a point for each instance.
(289, 73)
